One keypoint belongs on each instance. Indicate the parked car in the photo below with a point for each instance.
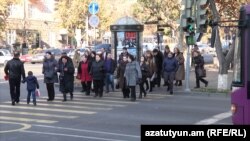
(206, 49)
(72, 53)
(5, 56)
(107, 47)
(38, 57)
(25, 58)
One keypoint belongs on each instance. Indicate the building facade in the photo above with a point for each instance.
(32, 24)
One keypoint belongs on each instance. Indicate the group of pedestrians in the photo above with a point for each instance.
(99, 69)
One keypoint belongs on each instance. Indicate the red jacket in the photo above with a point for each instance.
(83, 71)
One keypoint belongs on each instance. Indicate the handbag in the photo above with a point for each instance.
(37, 93)
(202, 72)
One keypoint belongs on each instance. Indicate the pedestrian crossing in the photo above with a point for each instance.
(54, 111)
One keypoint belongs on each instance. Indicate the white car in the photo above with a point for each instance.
(5, 56)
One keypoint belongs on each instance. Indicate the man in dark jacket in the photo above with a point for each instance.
(170, 66)
(109, 66)
(158, 57)
(14, 69)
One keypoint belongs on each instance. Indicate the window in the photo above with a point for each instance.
(238, 60)
(13, 10)
(1, 54)
(31, 10)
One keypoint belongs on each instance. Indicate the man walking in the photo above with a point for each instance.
(14, 70)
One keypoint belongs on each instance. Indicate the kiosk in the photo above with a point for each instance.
(126, 32)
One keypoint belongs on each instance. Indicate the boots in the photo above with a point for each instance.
(180, 83)
(64, 97)
(140, 96)
(71, 96)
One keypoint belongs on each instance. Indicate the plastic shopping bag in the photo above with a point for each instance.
(38, 94)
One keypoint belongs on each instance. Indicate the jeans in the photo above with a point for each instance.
(109, 80)
(33, 93)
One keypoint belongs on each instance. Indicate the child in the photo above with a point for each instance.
(32, 84)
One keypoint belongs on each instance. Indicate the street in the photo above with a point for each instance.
(110, 118)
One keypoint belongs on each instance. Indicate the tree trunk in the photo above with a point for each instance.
(223, 60)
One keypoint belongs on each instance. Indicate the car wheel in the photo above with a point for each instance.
(32, 62)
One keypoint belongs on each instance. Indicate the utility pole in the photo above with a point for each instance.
(24, 44)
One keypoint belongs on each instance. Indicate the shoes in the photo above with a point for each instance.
(140, 96)
(168, 89)
(133, 99)
(171, 93)
(34, 103)
(13, 103)
(71, 97)
(64, 100)
(17, 101)
(206, 84)
(145, 94)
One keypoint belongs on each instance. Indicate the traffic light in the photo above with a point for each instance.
(190, 26)
(187, 20)
(201, 19)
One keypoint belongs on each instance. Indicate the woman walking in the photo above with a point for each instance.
(120, 76)
(83, 74)
(67, 70)
(50, 67)
(132, 75)
(180, 73)
(145, 75)
(98, 74)
(199, 65)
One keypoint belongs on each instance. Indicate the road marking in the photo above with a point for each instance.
(46, 109)
(100, 100)
(215, 118)
(25, 127)
(84, 102)
(37, 114)
(70, 135)
(109, 97)
(89, 131)
(71, 106)
(26, 119)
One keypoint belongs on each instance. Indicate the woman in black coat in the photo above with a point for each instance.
(145, 74)
(66, 77)
(98, 75)
(199, 64)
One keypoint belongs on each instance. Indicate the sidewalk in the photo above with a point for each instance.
(212, 77)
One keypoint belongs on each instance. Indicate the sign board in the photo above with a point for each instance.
(93, 8)
(93, 20)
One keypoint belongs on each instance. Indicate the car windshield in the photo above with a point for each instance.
(6, 51)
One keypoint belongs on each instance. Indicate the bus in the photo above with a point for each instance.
(240, 94)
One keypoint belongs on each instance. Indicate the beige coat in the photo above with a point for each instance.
(180, 74)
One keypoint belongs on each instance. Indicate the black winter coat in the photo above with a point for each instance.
(66, 78)
(97, 70)
(15, 69)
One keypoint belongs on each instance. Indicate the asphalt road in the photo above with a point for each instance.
(110, 118)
